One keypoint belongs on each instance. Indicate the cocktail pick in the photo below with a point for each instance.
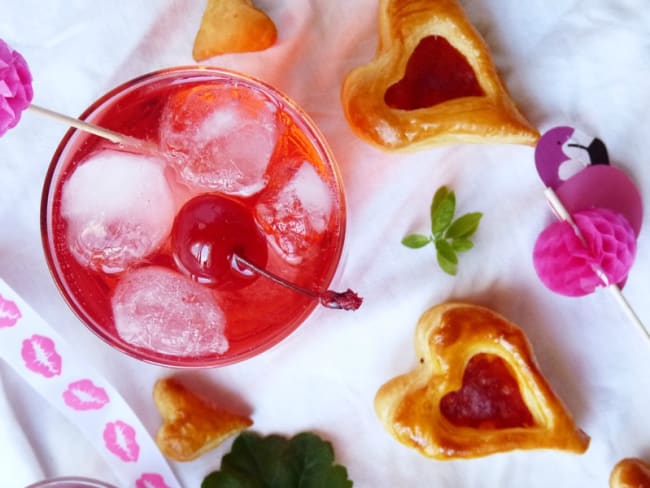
(600, 213)
(16, 95)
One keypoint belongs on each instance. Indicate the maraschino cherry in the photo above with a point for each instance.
(208, 232)
(216, 241)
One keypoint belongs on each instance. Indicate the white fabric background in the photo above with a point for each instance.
(577, 62)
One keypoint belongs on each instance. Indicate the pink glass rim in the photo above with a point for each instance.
(210, 73)
(70, 482)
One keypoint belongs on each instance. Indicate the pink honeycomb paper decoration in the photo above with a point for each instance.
(15, 87)
(568, 266)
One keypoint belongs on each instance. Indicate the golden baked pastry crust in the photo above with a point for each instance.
(630, 473)
(447, 337)
(230, 26)
(492, 118)
(191, 426)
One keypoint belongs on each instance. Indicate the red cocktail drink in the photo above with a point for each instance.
(143, 244)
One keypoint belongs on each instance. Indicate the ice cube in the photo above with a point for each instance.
(295, 215)
(220, 138)
(118, 207)
(163, 311)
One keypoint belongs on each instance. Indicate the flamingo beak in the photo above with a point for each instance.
(582, 151)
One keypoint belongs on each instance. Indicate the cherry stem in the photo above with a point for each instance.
(347, 300)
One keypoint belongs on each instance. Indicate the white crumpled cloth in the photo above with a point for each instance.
(577, 62)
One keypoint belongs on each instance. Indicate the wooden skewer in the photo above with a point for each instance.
(563, 214)
(116, 137)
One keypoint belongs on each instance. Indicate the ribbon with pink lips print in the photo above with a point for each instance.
(41, 357)
(600, 214)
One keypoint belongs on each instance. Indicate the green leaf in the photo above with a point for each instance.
(446, 256)
(439, 196)
(316, 458)
(449, 236)
(464, 226)
(304, 461)
(461, 245)
(227, 479)
(443, 207)
(415, 241)
(260, 458)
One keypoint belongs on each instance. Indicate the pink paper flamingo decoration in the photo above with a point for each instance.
(600, 213)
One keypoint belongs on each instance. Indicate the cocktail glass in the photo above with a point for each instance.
(117, 247)
(70, 482)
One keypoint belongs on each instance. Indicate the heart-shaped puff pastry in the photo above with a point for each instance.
(231, 26)
(630, 473)
(477, 390)
(191, 426)
(432, 82)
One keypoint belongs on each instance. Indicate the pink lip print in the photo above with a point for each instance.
(119, 438)
(9, 313)
(151, 480)
(40, 356)
(84, 395)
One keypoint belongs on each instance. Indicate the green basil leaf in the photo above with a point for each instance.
(461, 245)
(447, 266)
(443, 208)
(464, 226)
(448, 235)
(415, 241)
(439, 196)
(446, 256)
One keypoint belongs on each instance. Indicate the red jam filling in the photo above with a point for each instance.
(489, 398)
(435, 72)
